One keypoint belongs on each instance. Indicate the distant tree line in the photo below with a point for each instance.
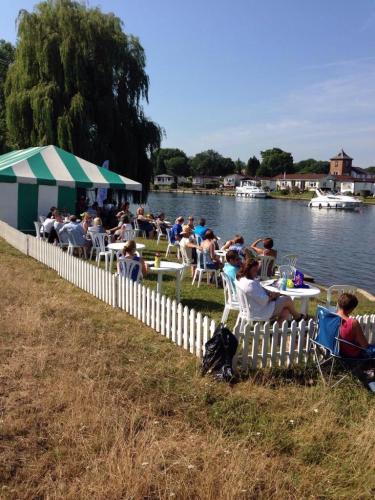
(273, 161)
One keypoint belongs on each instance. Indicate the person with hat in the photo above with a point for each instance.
(188, 247)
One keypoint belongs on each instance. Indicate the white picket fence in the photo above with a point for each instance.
(261, 345)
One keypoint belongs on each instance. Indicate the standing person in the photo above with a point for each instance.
(201, 228)
(264, 305)
(232, 265)
(188, 245)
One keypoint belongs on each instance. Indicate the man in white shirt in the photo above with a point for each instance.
(74, 227)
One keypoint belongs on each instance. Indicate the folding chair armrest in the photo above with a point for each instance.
(351, 343)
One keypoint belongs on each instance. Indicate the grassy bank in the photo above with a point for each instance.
(96, 405)
(210, 300)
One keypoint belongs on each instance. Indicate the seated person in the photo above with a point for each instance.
(126, 226)
(237, 243)
(209, 247)
(75, 228)
(266, 250)
(97, 226)
(188, 245)
(264, 305)
(117, 230)
(48, 227)
(86, 221)
(160, 222)
(176, 230)
(191, 222)
(144, 223)
(50, 213)
(124, 210)
(232, 265)
(129, 253)
(59, 223)
(201, 228)
(93, 209)
(351, 330)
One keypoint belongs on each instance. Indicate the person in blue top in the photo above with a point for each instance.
(232, 265)
(176, 229)
(201, 228)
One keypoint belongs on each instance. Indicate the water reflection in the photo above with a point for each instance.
(333, 246)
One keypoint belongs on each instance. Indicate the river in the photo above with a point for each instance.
(335, 247)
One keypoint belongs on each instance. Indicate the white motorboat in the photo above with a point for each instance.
(250, 189)
(328, 199)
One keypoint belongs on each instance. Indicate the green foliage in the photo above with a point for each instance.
(171, 161)
(78, 81)
(275, 161)
(371, 170)
(210, 162)
(252, 166)
(6, 58)
(239, 166)
(312, 166)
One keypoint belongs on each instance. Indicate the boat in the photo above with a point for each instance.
(330, 199)
(250, 189)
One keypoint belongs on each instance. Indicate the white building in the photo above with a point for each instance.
(163, 180)
(304, 182)
(205, 180)
(232, 180)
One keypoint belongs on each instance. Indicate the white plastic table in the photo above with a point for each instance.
(304, 294)
(115, 247)
(167, 267)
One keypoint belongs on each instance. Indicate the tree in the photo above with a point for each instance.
(79, 81)
(312, 166)
(252, 166)
(6, 58)
(210, 162)
(239, 166)
(275, 161)
(370, 170)
(162, 162)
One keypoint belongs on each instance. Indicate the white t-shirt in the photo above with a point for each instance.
(260, 306)
(189, 251)
(48, 225)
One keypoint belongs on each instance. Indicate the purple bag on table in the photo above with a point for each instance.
(298, 280)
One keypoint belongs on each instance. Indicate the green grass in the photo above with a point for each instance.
(208, 299)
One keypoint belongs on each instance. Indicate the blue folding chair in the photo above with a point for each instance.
(326, 347)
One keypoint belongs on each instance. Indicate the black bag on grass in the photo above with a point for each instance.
(219, 352)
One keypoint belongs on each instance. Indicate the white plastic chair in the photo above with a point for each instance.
(290, 260)
(38, 229)
(202, 268)
(42, 218)
(172, 245)
(230, 297)
(338, 289)
(128, 234)
(288, 271)
(160, 235)
(245, 316)
(139, 232)
(265, 262)
(73, 244)
(99, 241)
(126, 268)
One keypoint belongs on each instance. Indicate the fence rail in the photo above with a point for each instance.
(261, 345)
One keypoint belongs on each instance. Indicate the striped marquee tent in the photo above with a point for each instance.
(34, 179)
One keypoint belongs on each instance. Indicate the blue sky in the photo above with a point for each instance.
(240, 76)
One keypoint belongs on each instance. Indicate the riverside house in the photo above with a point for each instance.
(203, 181)
(163, 180)
(232, 180)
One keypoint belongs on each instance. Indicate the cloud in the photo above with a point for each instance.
(314, 120)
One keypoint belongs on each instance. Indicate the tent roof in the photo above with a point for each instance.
(50, 165)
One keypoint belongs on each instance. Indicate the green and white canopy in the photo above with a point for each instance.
(52, 166)
(34, 179)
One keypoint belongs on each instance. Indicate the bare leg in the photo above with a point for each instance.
(285, 306)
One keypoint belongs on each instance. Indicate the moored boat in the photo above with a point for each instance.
(334, 200)
(250, 189)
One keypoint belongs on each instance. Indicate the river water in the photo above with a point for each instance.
(335, 247)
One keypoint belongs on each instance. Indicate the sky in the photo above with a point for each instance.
(241, 76)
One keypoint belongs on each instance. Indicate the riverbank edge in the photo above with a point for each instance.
(231, 193)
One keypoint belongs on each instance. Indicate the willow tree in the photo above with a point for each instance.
(78, 81)
(6, 58)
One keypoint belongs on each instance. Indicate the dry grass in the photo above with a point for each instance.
(95, 405)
